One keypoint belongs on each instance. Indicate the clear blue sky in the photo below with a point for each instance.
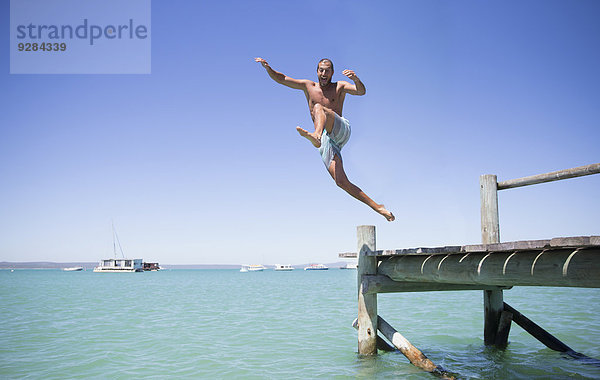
(200, 162)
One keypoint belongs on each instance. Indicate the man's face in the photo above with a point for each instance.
(324, 73)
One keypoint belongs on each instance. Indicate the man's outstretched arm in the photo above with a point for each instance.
(358, 88)
(298, 84)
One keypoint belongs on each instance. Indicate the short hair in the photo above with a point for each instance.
(326, 60)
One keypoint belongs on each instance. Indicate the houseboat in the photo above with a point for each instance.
(122, 265)
(119, 266)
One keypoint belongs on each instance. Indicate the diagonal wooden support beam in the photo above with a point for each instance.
(536, 331)
(545, 337)
(412, 353)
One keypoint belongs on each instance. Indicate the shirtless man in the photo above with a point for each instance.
(332, 131)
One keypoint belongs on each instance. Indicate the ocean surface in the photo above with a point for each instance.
(222, 324)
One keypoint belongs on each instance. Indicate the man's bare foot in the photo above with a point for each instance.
(386, 214)
(310, 136)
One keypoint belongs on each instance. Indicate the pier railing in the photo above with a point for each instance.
(490, 234)
(491, 266)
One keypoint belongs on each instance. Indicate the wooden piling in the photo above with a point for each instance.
(503, 329)
(367, 303)
(490, 234)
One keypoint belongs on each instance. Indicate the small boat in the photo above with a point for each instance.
(151, 267)
(353, 265)
(252, 268)
(316, 267)
(73, 269)
(283, 267)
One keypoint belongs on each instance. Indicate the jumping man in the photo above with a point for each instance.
(332, 131)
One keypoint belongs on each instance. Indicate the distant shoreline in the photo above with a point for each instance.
(92, 265)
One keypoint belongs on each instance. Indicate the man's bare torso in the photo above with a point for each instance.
(330, 96)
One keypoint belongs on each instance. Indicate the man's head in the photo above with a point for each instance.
(325, 71)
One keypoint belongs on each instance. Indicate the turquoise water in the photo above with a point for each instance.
(273, 325)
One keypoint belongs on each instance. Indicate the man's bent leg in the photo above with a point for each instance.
(336, 170)
(324, 119)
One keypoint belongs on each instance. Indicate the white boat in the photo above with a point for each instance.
(122, 265)
(352, 265)
(283, 267)
(252, 268)
(73, 269)
(119, 266)
(316, 267)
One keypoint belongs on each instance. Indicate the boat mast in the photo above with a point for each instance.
(116, 241)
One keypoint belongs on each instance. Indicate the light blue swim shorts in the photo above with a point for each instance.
(332, 144)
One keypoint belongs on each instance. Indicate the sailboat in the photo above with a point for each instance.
(122, 265)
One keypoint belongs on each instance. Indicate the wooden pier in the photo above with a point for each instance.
(491, 267)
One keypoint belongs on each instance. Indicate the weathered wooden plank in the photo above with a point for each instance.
(522, 245)
(384, 284)
(549, 177)
(367, 303)
(555, 267)
(507, 246)
(576, 241)
(418, 251)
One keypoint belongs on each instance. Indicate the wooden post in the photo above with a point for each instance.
(490, 225)
(367, 303)
(493, 302)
